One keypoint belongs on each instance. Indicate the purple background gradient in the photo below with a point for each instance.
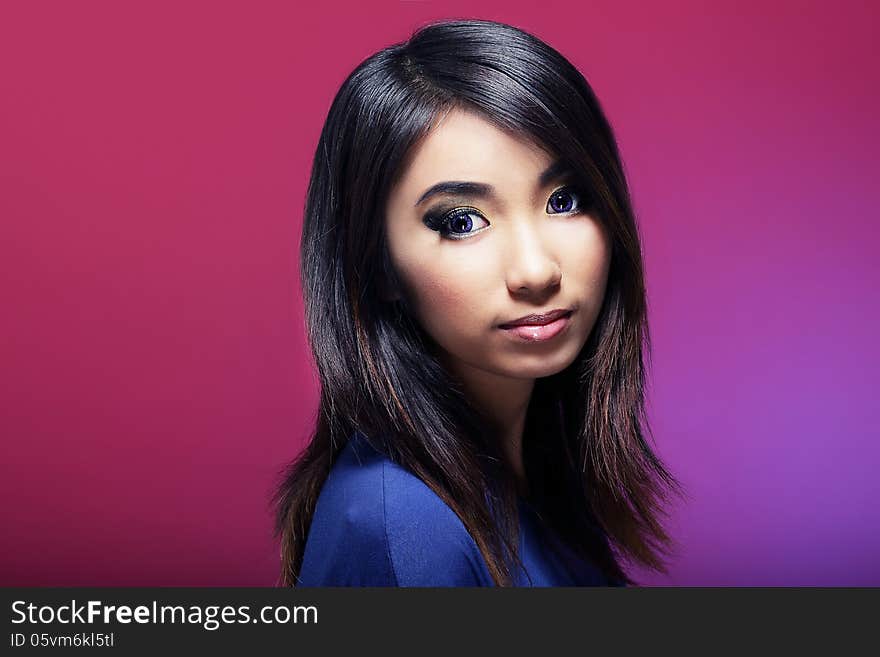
(155, 375)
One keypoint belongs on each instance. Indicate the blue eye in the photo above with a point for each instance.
(563, 201)
(459, 224)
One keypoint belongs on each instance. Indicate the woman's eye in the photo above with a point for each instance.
(462, 223)
(563, 200)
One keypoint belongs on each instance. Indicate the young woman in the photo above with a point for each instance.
(475, 303)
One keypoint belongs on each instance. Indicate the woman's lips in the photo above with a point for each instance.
(538, 332)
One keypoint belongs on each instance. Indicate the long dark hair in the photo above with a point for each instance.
(597, 480)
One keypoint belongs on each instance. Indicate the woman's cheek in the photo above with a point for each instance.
(450, 304)
(444, 300)
(585, 259)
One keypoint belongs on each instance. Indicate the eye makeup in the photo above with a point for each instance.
(566, 200)
(454, 221)
(448, 220)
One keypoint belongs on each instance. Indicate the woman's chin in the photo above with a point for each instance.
(538, 369)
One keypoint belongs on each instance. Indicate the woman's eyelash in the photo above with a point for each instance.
(561, 202)
(564, 200)
(443, 220)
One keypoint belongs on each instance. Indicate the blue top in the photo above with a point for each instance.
(377, 524)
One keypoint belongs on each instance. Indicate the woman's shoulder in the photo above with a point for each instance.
(377, 524)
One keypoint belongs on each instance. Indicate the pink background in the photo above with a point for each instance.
(155, 375)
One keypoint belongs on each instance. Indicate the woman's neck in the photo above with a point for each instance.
(505, 402)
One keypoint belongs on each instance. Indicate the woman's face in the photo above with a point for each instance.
(515, 242)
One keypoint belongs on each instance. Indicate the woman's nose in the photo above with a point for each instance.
(532, 268)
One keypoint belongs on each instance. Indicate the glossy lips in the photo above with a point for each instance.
(537, 328)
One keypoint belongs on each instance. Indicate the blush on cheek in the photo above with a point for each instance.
(441, 300)
(451, 292)
(444, 305)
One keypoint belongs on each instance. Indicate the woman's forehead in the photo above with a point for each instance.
(467, 147)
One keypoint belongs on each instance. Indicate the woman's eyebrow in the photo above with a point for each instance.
(458, 188)
(558, 169)
(484, 190)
